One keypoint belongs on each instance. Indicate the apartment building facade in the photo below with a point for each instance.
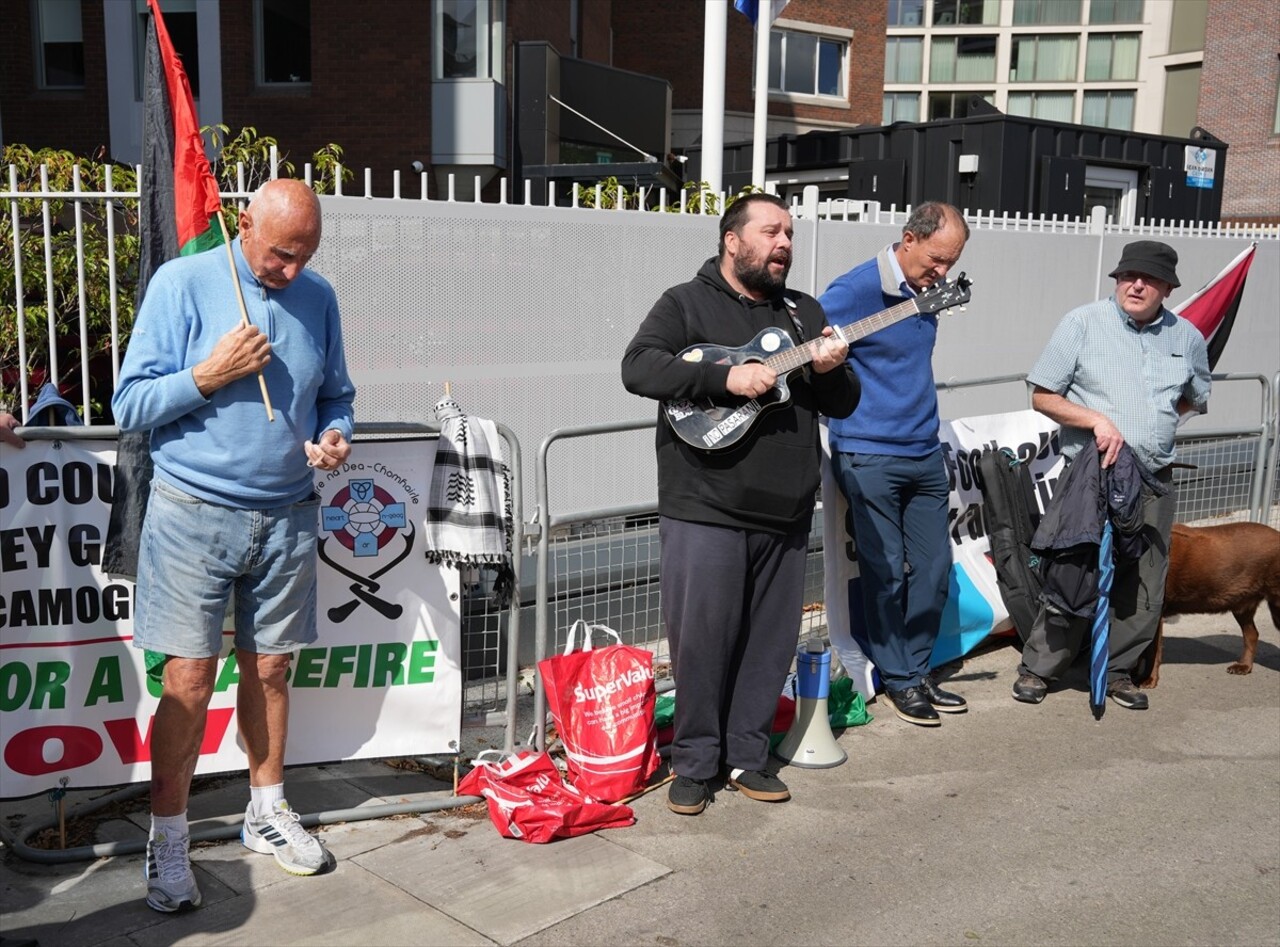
(404, 85)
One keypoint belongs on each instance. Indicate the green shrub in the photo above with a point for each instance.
(95, 344)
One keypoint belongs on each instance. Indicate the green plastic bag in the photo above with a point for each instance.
(845, 706)
(664, 711)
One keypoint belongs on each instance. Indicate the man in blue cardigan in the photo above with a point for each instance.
(888, 459)
(233, 508)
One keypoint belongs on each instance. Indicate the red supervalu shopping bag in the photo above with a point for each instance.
(529, 800)
(602, 702)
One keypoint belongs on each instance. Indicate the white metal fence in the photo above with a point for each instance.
(525, 310)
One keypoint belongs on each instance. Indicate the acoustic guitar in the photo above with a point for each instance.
(719, 423)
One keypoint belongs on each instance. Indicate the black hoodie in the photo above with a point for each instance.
(768, 480)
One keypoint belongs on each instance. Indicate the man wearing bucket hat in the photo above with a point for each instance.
(1120, 371)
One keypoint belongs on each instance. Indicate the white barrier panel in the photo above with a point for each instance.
(384, 678)
(974, 609)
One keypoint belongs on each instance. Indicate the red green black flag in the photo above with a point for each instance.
(179, 192)
(178, 200)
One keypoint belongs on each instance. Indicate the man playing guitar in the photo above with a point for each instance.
(734, 523)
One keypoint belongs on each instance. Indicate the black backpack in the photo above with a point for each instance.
(1011, 516)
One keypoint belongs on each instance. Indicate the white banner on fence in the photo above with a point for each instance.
(974, 609)
(384, 678)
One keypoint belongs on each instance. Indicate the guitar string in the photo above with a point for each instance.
(793, 358)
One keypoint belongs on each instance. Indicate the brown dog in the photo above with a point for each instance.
(1232, 567)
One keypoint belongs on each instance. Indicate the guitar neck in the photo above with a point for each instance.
(791, 359)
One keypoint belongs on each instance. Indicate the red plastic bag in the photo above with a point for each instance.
(602, 703)
(529, 800)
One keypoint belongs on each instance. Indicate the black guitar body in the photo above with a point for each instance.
(716, 424)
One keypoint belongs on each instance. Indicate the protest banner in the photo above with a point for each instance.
(974, 609)
(384, 678)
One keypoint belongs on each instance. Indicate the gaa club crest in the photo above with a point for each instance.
(368, 520)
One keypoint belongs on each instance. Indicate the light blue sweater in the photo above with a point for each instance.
(222, 448)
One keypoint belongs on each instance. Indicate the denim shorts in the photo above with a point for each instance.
(196, 556)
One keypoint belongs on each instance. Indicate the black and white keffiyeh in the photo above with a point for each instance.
(469, 504)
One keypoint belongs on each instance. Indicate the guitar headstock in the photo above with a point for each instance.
(947, 294)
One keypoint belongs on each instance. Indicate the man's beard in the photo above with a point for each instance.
(756, 276)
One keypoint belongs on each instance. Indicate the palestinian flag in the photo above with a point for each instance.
(1212, 308)
(179, 198)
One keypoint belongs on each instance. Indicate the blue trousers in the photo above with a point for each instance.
(731, 602)
(898, 519)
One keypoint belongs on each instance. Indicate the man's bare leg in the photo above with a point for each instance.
(262, 709)
(178, 731)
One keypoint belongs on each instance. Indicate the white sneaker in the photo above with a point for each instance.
(171, 885)
(281, 834)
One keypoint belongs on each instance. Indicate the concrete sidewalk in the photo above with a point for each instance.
(1011, 824)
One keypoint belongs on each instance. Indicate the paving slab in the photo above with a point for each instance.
(349, 906)
(507, 889)
(86, 904)
(1011, 824)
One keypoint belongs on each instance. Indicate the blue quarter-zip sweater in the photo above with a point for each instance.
(898, 414)
(222, 448)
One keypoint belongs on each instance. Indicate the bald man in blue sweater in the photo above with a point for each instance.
(233, 508)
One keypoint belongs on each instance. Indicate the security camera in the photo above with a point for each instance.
(416, 166)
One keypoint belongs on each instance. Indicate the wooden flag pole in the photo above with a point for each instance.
(244, 312)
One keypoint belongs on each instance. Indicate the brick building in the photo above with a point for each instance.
(433, 83)
(848, 34)
(1240, 102)
(388, 81)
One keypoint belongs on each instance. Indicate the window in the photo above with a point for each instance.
(1115, 11)
(1116, 189)
(903, 59)
(1181, 99)
(59, 45)
(806, 64)
(963, 59)
(955, 104)
(966, 12)
(1049, 58)
(1111, 56)
(1046, 12)
(905, 13)
(284, 41)
(1186, 31)
(901, 107)
(180, 21)
(469, 39)
(1052, 106)
(1108, 110)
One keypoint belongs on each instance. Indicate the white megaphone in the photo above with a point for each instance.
(809, 743)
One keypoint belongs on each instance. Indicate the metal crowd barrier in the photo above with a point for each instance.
(490, 635)
(1271, 490)
(602, 565)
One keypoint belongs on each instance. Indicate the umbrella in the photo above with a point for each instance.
(1100, 649)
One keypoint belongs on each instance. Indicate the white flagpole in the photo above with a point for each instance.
(761, 128)
(713, 66)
